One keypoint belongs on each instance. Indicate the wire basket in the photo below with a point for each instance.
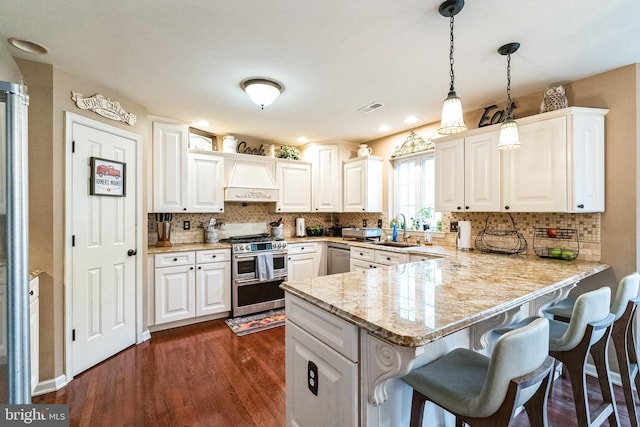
(560, 243)
(501, 240)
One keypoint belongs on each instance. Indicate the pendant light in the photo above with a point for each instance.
(452, 120)
(262, 91)
(509, 138)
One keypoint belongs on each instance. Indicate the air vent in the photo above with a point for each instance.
(371, 107)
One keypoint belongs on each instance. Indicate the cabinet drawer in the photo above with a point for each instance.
(214, 255)
(390, 258)
(34, 289)
(173, 259)
(338, 334)
(364, 254)
(303, 248)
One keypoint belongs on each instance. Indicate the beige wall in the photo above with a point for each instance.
(9, 71)
(618, 91)
(50, 91)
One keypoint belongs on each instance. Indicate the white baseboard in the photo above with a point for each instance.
(146, 335)
(48, 386)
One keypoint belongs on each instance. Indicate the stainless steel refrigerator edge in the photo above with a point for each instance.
(14, 204)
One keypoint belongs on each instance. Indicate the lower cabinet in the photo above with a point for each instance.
(366, 258)
(192, 284)
(34, 330)
(306, 260)
(321, 383)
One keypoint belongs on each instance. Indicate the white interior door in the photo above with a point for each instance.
(103, 276)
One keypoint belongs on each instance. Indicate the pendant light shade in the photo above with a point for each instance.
(452, 120)
(262, 91)
(509, 138)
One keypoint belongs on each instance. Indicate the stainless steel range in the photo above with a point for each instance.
(259, 266)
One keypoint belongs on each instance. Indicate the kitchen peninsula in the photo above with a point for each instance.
(351, 336)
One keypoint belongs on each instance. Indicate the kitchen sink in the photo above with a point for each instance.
(396, 244)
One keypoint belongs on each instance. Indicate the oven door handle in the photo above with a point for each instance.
(256, 281)
(244, 256)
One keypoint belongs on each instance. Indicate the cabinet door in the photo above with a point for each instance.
(213, 288)
(169, 165)
(449, 176)
(482, 172)
(303, 266)
(206, 183)
(175, 293)
(327, 195)
(321, 384)
(354, 188)
(586, 146)
(390, 258)
(360, 265)
(294, 180)
(535, 175)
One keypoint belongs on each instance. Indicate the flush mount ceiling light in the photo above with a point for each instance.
(262, 91)
(509, 138)
(452, 120)
(27, 46)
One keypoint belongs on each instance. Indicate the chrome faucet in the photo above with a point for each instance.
(404, 226)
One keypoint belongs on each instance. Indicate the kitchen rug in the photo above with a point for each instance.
(256, 322)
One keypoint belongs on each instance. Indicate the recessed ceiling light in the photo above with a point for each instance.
(302, 139)
(384, 128)
(27, 46)
(410, 119)
(201, 123)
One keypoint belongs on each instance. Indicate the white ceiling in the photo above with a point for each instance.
(186, 59)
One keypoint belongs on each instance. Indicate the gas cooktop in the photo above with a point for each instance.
(253, 238)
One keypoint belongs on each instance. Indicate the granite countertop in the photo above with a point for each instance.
(416, 303)
(183, 247)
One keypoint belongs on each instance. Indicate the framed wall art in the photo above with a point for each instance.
(108, 177)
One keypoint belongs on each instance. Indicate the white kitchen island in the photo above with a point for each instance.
(351, 336)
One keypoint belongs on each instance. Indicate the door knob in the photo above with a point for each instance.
(131, 252)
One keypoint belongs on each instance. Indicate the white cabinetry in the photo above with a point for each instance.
(34, 330)
(362, 184)
(184, 180)
(294, 180)
(306, 260)
(366, 258)
(467, 174)
(205, 175)
(322, 369)
(326, 174)
(170, 144)
(192, 284)
(559, 168)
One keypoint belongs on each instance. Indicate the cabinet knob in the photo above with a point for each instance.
(506, 207)
(221, 209)
(316, 208)
(302, 248)
(580, 206)
(459, 208)
(175, 259)
(199, 268)
(466, 207)
(363, 210)
(213, 256)
(289, 258)
(132, 252)
(31, 293)
(184, 209)
(388, 259)
(190, 268)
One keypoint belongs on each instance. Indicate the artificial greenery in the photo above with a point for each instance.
(287, 152)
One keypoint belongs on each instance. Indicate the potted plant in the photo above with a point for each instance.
(424, 215)
(287, 152)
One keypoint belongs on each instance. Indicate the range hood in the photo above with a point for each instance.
(251, 181)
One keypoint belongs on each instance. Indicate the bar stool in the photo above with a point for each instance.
(623, 308)
(484, 391)
(587, 332)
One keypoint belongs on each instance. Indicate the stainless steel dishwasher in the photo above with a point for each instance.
(338, 257)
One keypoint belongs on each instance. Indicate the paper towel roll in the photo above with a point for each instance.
(464, 235)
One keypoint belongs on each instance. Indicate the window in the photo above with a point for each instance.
(415, 190)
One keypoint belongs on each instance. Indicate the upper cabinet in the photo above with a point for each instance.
(362, 184)
(325, 173)
(559, 168)
(294, 180)
(170, 144)
(184, 180)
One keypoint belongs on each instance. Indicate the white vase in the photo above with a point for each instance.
(229, 144)
(364, 150)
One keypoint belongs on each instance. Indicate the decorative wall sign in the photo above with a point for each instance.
(498, 116)
(413, 144)
(108, 177)
(104, 106)
(243, 148)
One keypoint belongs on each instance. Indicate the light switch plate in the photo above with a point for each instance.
(186, 225)
(453, 227)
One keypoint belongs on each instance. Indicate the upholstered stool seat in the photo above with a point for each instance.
(623, 308)
(587, 332)
(483, 391)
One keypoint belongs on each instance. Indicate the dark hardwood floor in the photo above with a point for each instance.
(203, 375)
